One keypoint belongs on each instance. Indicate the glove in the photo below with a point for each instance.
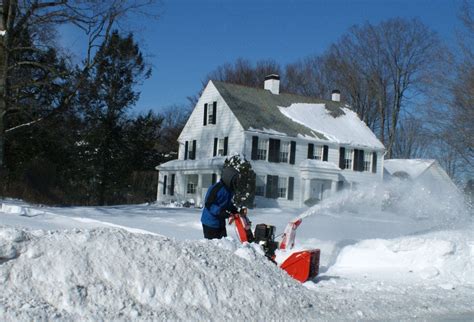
(224, 214)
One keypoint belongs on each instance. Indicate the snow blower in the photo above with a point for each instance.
(302, 265)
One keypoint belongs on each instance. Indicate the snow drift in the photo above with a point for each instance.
(110, 274)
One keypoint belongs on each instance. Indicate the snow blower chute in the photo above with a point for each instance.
(301, 265)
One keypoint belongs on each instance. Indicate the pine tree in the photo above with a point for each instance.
(245, 191)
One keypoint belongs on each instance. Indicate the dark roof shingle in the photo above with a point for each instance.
(257, 109)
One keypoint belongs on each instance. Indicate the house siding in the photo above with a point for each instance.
(226, 125)
(240, 141)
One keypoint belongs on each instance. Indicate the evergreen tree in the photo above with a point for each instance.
(120, 66)
(245, 191)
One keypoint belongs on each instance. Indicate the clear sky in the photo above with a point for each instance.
(193, 37)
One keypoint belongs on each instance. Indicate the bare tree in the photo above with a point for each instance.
(33, 17)
(380, 66)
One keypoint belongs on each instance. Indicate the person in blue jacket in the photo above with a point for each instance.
(218, 204)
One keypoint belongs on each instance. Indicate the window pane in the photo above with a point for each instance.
(282, 187)
(284, 151)
(367, 161)
(318, 152)
(210, 113)
(220, 150)
(348, 159)
(262, 149)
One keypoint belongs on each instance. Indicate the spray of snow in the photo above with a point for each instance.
(399, 198)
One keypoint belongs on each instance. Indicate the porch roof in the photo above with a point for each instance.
(318, 165)
(202, 164)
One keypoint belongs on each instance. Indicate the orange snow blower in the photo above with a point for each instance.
(302, 265)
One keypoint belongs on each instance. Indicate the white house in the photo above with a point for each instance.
(301, 148)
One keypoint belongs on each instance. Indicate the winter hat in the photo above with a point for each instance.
(230, 177)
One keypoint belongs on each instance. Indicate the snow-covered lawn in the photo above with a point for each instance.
(147, 262)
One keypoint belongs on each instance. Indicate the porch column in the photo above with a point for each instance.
(333, 186)
(199, 190)
(307, 189)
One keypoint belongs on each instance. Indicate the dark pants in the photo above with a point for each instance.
(214, 233)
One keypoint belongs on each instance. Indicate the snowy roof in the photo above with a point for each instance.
(215, 162)
(346, 128)
(258, 110)
(413, 167)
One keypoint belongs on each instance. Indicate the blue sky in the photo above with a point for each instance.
(193, 37)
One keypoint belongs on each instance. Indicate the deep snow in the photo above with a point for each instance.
(386, 254)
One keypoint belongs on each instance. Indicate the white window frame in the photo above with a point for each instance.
(263, 186)
(367, 161)
(210, 113)
(282, 188)
(191, 186)
(262, 149)
(284, 155)
(318, 152)
(220, 146)
(349, 162)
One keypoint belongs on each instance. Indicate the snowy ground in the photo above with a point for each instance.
(412, 261)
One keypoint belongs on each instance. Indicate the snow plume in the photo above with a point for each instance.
(401, 198)
(105, 274)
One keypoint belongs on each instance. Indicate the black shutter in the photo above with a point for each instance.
(214, 178)
(275, 187)
(215, 147)
(356, 160)
(214, 110)
(325, 153)
(205, 114)
(361, 160)
(374, 162)
(165, 178)
(186, 150)
(226, 142)
(274, 150)
(172, 185)
(254, 147)
(342, 152)
(310, 150)
(291, 185)
(272, 187)
(194, 150)
(268, 187)
(292, 152)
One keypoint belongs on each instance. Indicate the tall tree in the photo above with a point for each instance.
(37, 19)
(392, 60)
(120, 66)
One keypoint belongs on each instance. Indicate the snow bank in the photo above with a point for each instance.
(441, 256)
(107, 274)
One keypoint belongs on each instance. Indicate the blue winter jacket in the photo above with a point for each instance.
(214, 216)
